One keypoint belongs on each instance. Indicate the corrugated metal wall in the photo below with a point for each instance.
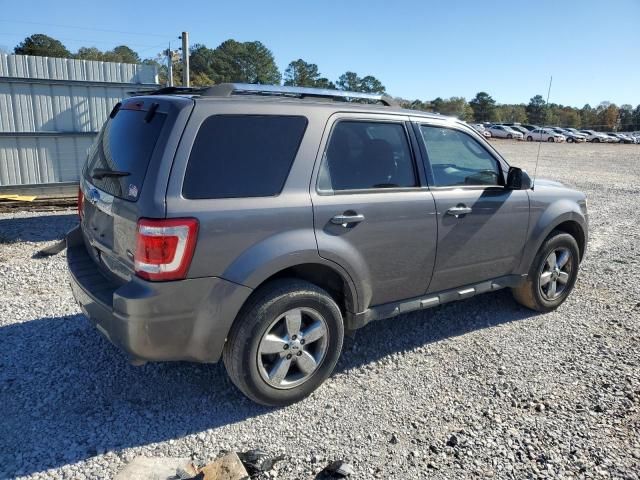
(51, 109)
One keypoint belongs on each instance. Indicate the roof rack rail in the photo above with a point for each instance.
(230, 89)
(168, 91)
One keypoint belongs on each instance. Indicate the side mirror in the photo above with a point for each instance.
(518, 179)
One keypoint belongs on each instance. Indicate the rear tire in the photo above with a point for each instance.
(548, 286)
(284, 343)
(509, 136)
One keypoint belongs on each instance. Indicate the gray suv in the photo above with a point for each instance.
(259, 223)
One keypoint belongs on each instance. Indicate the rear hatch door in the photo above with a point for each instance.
(125, 176)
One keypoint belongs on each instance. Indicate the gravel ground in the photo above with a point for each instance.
(481, 388)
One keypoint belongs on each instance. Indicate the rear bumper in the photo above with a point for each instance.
(158, 321)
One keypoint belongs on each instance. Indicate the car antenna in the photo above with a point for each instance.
(535, 172)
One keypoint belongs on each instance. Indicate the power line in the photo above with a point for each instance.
(85, 28)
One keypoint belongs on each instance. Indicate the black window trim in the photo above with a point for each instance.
(502, 164)
(419, 174)
(286, 178)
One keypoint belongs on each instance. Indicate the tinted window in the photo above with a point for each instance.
(364, 155)
(242, 156)
(457, 159)
(125, 145)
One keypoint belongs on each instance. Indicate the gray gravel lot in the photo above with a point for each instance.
(481, 388)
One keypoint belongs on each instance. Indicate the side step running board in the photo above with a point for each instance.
(389, 310)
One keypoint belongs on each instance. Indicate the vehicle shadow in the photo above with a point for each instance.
(94, 401)
(41, 228)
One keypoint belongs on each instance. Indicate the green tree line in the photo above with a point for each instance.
(253, 62)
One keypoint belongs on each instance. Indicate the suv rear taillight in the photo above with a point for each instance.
(80, 203)
(164, 248)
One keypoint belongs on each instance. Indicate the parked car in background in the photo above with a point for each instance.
(595, 137)
(612, 138)
(574, 130)
(570, 136)
(223, 224)
(545, 135)
(519, 128)
(504, 131)
(480, 128)
(529, 127)
(622, 137)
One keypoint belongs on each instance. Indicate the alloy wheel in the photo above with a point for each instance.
(556, 273)
(292, 348)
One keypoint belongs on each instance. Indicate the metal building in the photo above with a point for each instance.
(52, 108)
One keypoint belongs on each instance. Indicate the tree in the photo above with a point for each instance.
(483, 106)
(607, 114)
(201, 60)
(301, 74)
(454, 106)
(371, 84)
(122, 54)
(199, 79)
(350, 81)
(536, 112)
(636, 118)
(626, 118)
(588, 117)
(248, 62)
(436, 104)
(324, 82)
(511, 113)
(42, 45)
(569, 117)
(89, 53)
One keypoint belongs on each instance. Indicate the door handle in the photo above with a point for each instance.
(344, 220)
(459, 210)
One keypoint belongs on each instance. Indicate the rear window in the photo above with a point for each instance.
(119, 158)
(242, 156)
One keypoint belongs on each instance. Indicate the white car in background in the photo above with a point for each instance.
(478, 127)
(502, 131)
(595, 137)
(519, 128)
(571, 136)
(545, 135)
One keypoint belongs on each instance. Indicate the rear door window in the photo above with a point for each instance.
(365, 155)
(118, 160)
(242, 156)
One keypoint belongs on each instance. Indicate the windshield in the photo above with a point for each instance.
(118, 159)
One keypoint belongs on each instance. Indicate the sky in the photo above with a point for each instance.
(418, 49)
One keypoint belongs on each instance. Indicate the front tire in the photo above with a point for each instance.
(552, 274)
(595, 140)
(529, 138)
(551, 139)
(285, 342)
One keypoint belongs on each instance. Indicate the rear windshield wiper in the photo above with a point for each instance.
(100, 173)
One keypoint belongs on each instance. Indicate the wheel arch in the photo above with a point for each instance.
(576, 230)
(336, 283)
(570, 222)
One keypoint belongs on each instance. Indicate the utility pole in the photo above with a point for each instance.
(169, 66)
(185, 58)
